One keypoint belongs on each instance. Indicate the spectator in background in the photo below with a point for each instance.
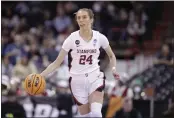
(111, 9)
(33, 48)
(22, 8)
(48, 51)
(4, 39)
(137, 24)
(120, 26)
(139, 12)
(164, 56)
(61, 37)
(123, 18)
(136, 27)
(14, 50)
(136, 30)
(70, 8)
(61, 21)
(51, 52)
(11, 108)
(6, 66)
(24, 67)
(47, 19)
(62, 72)
(97, 6)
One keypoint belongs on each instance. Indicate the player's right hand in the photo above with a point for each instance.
(115, 74)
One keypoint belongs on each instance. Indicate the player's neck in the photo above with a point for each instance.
(86, 32)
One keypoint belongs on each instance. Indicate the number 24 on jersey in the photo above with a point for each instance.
(84, 59)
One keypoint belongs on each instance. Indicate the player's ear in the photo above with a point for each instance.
(92, 21)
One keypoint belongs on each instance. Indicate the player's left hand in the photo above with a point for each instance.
(115, 74)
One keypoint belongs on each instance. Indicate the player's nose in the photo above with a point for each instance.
(80, 20)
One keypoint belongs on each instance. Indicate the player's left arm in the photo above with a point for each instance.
(105, 45)
(111, 56)
(112, 59)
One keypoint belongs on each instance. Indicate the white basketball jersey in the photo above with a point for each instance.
(84, 55)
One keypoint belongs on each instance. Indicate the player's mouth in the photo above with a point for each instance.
(82, 25)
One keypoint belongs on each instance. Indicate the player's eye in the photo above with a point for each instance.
(78, 18)
(84, 17)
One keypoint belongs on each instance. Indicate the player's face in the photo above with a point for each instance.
(83, 19)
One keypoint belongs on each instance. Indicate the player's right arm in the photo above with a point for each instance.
(54, 65)
(64, 51)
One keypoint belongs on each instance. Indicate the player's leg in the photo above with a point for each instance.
(82, 105)
(80, 96)
(96, 94)
(96, 101)
(84, 110)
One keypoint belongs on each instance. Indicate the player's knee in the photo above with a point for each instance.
(96, 109)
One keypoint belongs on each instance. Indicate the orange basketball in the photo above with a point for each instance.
(34, 84)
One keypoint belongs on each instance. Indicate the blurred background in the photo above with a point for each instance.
(141, 35)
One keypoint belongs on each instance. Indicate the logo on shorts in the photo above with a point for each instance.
(86, 74)
(77, 42)
(94, 42)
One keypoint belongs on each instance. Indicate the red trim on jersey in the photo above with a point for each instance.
(75, 100)
(69, 59)
(102, 87)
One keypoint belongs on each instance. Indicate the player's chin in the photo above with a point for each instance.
(82, 27)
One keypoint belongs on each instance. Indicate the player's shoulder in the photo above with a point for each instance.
(75, 33)
(72, 36)
(98, 33)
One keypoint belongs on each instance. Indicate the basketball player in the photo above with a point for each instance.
(86, 80)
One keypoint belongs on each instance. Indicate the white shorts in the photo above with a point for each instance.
(84, 84)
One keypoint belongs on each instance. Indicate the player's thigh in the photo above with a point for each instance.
(82, 104)
(84, 109)
(80, 94)
(96, 92)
